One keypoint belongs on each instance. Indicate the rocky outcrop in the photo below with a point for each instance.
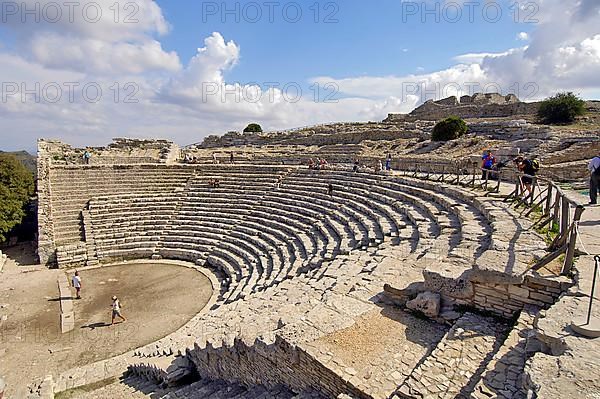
(427, 303)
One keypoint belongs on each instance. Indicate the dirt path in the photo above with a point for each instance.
(156, 300)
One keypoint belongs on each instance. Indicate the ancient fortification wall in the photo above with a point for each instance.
(480, 105)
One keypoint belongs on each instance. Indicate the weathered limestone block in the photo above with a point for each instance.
(427, 303)
(449, 280)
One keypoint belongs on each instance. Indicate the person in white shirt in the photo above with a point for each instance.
(594, 168)
(116, 310)
(76, 281)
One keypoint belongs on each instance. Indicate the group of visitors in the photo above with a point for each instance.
(320, 164)
(115, 306)
(214, 183)
(388, 164)
(189, 158)
(528, 169)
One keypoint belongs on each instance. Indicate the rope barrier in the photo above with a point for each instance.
(579, 239)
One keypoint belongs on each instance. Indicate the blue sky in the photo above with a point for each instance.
(194, 70)
(357, 39)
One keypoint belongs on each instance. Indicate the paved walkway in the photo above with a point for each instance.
(589, 226)
(575, 374)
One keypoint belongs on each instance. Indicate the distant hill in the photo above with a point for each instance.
(30, 161)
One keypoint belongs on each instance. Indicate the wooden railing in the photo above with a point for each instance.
(462, 173)
(561, 214)
(546, 204)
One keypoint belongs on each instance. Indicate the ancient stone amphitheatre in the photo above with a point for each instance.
(421, 282)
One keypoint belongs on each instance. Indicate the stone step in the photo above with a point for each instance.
(457, 363)
(503, 376)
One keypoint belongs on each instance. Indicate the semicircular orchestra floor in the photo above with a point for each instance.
(155, 300)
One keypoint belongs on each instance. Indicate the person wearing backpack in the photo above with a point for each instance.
(594, 168)
(529, 167)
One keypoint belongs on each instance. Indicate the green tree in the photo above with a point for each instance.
(253, 128)
(16, 188)
(561, 108)
(449, 129)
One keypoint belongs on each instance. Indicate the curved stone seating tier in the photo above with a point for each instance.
(72, 187)
(464, 226)
(329, 230)
(299, 223)
(347, 225)
(128, 226)
(287, 258)
(356, 191)
(256, 233)
(502, 258)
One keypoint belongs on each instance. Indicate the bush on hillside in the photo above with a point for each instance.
(449, 129)
(253, 128)
(561, 108)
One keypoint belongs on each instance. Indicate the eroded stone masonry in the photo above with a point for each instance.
(387, 286)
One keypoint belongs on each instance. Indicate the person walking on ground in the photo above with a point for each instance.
(76, 282)
(388, 162)
(231, 157)
(356, 166)
(116, 310)
(214, 156)
(378, 166)
(488, 160)
(594, 168)
(330, 189)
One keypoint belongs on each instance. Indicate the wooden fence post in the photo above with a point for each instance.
(548, 200)
(564, 219)
(557, 202)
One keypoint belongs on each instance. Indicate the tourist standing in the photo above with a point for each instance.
(116, 310)
(378, 166)
(76, 282)
(488, 160)
(231, 157)
(388, 162)
(86, 157)
(330, 189)
(356, 166)
(594, 168)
